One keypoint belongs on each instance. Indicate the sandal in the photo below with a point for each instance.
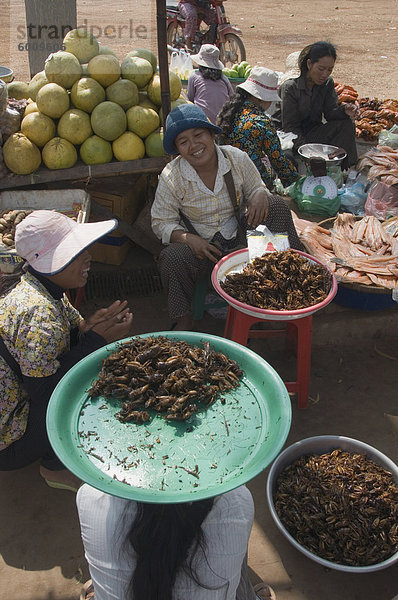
(61, 486)
(264, 591)
(87, 591)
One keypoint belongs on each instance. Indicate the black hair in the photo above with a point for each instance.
(162, 536)
(214, 74)
(314, 52)
(232, 107)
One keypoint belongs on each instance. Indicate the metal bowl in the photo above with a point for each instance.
(319, 445)
(308, 151)
(6, 74)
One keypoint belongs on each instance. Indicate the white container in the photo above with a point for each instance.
(74, 203)
(320, 445)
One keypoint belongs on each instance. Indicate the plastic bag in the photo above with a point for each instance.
(382, 201)
(181, 64)
(353, 198)
(389, 137)
(10, 122)
(261, 240)
(314, 205)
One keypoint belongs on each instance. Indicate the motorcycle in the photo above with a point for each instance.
(223, 35)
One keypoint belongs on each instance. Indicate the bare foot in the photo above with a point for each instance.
(184, 323)
(63, 479)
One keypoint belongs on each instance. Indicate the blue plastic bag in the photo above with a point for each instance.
(353, 198)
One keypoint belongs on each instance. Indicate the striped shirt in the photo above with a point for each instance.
(181, 188)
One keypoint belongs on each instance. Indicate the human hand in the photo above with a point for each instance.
(203, 249)
(257, 209)
(352, 110)
(112, 323)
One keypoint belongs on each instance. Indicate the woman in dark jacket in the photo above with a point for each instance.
(310, 106)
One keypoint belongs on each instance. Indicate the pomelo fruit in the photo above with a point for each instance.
(62, 68)
(21, 155)
(142, 121)
(86, 94)
(75, 126)
(147, 54)
(137, 69)
(154, 91)
(82, 44)
(124, 92)
(52, 100)
(108, 120)
(31, 107)
(36, 83)
(18, 90)
(96, 151)
(173, 104)
(128, 146)
(104, 68)
(58, 153)
(143, 100)
(39, 128)
(154, 144)
(106, 50)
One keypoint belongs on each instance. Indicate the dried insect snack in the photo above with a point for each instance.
(165, 375)
(341, 506)
(283, 280)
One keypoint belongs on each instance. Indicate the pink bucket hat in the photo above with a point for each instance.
(262, 83)
(49, 241)
(208, 56)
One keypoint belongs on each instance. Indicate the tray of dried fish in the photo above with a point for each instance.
(277, 286)
(361, 251)
(189, 445)
(336, 500)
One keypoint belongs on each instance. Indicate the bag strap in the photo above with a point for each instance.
(10, 360)
(229, 182)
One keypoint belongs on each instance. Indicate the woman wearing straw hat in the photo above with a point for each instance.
(246, 125)
(202, 199)
(42, 335)
(209, 88)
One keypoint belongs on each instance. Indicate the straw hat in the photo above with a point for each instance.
(262, 83)
(208, 56)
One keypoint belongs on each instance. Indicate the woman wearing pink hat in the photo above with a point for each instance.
(42, 335)
(208, 88)
(246, 125)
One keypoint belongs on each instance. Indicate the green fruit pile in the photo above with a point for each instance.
(238, 70)
(86, 104)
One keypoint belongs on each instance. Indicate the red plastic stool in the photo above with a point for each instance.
(298, 334)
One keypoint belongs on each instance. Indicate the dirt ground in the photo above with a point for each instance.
(354, 354)
(364, 32)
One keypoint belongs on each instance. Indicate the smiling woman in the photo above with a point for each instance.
(42, 335)
(204, 199)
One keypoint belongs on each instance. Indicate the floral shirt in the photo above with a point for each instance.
(254, 133)
(36, 330)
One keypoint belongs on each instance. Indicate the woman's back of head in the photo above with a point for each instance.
(165, 539)
(314, 52)
(230, 110)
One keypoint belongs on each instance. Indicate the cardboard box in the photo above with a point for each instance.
(125, 201)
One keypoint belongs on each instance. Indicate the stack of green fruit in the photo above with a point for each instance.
(238, 70)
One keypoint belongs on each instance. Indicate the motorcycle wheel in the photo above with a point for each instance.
(232, 50)
(175, 36)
